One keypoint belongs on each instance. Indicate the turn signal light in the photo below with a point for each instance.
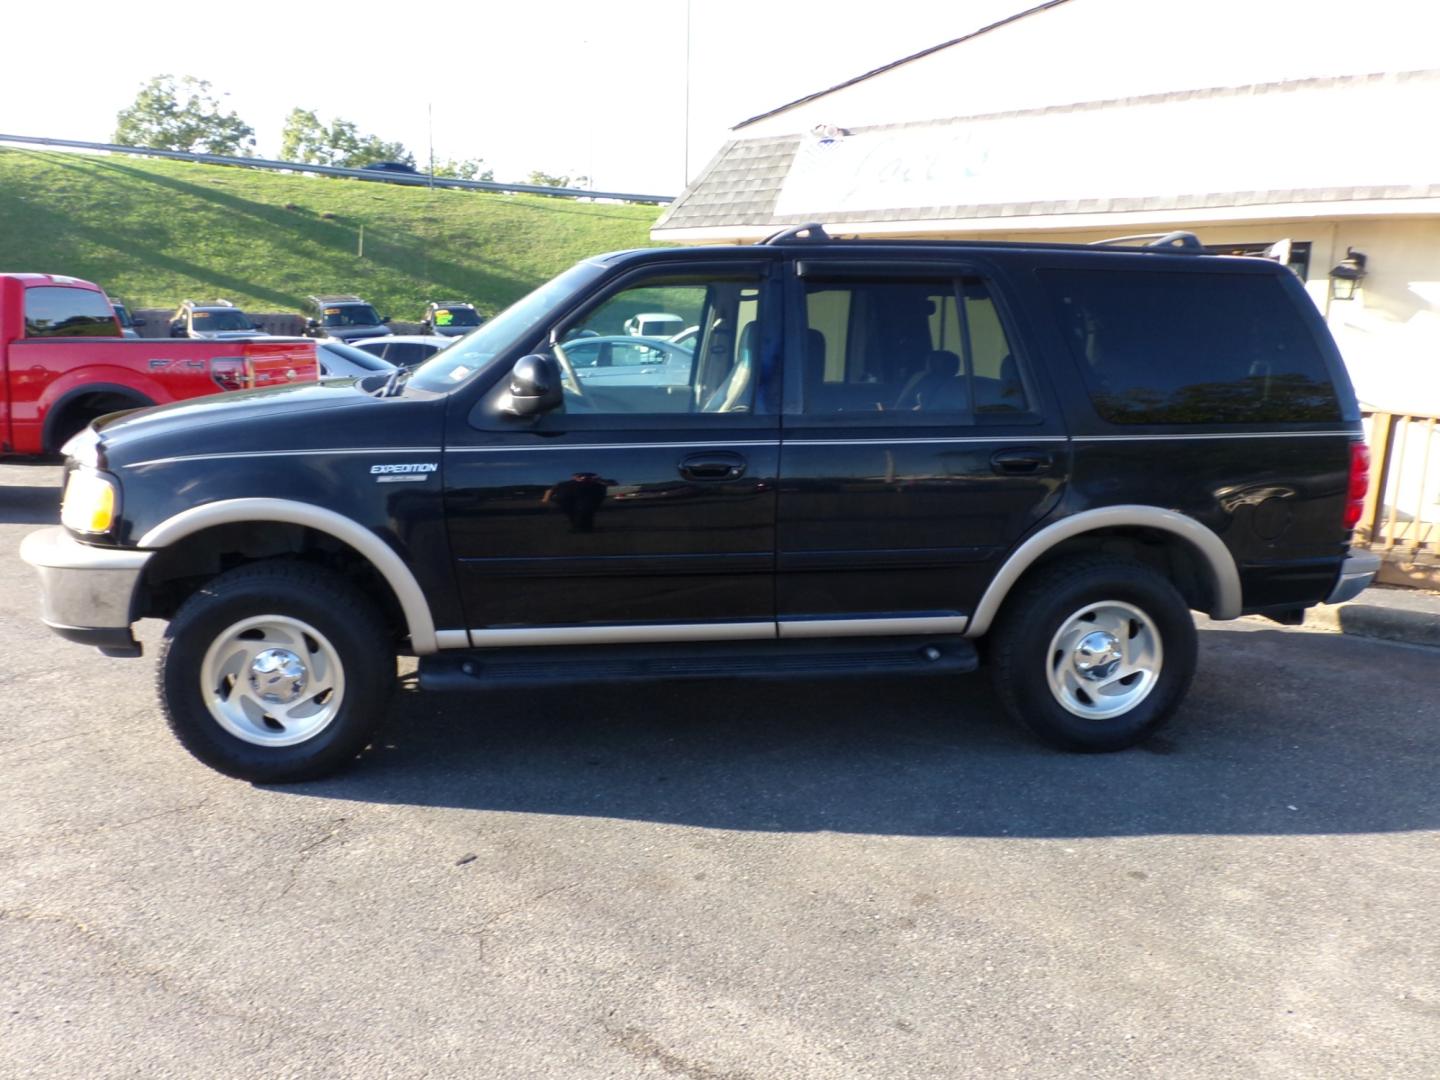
(89, 503)
(1359, 483)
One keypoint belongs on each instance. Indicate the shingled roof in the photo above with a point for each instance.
(741, 187)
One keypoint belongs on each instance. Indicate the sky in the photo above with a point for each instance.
(569, 88)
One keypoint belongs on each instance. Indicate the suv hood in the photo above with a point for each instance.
(229, 335)
(336, 413)
(355, 333)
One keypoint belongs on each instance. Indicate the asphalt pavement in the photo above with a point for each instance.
(721, 881)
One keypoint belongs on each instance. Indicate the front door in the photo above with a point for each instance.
(918, 447)
(645, 508)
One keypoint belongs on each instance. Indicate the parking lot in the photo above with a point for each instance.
(719, 881)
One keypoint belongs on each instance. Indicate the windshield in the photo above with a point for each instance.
(350, 315)
(212, 322)
(456, 316)
(450, 367)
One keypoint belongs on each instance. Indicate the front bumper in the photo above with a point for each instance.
(87, 593)
(1356, 574)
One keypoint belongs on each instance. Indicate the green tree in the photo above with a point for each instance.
(544, 179)
(182, 114)
(306, 138)
(464, 169)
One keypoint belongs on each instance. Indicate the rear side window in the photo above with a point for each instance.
(1188, 348)
(58, 311)
(894, 350)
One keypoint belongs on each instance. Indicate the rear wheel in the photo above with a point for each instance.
(276, 672)
(1094, 654)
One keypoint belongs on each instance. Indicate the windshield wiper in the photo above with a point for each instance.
(395, 382)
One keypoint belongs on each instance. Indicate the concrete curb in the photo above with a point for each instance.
(1392, 615)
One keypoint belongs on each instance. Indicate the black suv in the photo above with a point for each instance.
(885, 456)
(450, 318)
(343, 318)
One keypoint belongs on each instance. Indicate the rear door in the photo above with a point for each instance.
(919, 443)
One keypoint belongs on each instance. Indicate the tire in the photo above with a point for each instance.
(1093, 654)
(276, 672)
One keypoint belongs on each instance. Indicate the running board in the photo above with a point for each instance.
(478, 669)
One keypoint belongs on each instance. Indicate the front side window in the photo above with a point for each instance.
(617, 370)
(1191, 348)
(919, 349)
(60, 311)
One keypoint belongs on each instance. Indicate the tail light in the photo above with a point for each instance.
(1359, 483)
(228, 374)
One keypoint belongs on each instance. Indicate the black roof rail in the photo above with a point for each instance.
(1185, 241)
(811, 233)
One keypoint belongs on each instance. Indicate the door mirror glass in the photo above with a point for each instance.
(534, 386)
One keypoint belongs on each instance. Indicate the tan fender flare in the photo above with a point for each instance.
(379, 554)
(1224, 578)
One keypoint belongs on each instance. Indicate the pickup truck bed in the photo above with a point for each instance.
(64, 363)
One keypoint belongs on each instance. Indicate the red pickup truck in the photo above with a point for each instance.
(63, 362)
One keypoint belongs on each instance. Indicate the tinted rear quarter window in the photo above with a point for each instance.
(60, 311)
(1191, 348)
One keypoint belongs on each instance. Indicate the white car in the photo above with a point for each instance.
(655, 324)
(406, 350)
(629, 361)
(341, 361)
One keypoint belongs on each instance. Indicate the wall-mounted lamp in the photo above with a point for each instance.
(1345, 278)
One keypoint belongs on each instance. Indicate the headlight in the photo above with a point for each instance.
(91, 504)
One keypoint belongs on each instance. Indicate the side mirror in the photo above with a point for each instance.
(312, 324)
(534, 386)
(176, 330)
(137, 322)
(257, 326)
(385, 318)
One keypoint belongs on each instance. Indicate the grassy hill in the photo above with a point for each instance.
(154, 232)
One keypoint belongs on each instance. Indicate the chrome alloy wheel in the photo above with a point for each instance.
(1104, 660)
(272, 681)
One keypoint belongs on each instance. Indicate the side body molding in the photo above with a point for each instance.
(1224, 577)
(284, 511)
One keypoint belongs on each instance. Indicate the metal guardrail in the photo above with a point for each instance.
(413, 179)
(1401, 517)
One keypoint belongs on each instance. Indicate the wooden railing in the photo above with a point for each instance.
(1402, 506)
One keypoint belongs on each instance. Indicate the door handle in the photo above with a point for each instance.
(712, 467)
(1025, 462)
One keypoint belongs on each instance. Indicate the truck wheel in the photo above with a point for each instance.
(1094, 654)
(276, 672)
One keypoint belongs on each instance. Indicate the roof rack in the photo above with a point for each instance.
(338, 298)
(1185, 241)
(452, 303)
(812, 233)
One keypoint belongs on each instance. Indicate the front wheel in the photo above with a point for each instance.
(276, 672)
(1094, 654)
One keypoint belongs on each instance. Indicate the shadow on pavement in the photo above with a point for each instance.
(1283, 733)
(25, 505)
